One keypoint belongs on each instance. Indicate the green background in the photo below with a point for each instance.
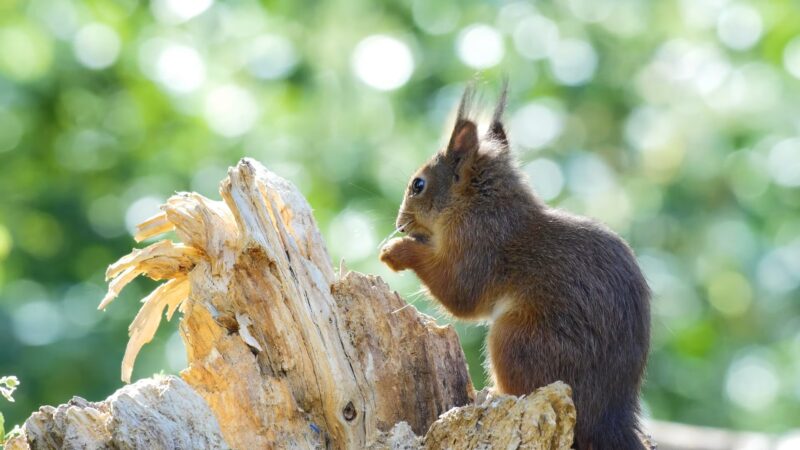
(675, 122)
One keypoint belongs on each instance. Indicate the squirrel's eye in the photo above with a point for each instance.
(417, 186)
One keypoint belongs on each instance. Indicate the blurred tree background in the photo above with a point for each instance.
(675, 122)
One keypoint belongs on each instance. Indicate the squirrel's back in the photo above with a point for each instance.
(588, 309)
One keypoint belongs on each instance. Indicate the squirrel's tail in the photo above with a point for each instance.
(613, 432)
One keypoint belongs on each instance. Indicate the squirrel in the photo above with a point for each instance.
(563, 294)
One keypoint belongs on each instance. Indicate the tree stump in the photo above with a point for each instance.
(288, 353)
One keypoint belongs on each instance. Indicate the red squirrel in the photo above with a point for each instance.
(564, 295)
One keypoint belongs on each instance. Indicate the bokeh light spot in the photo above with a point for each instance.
(512, 13)
(25, 51)
(739, 26)
(177, 11)
(589, 175)
(535, 37)
(383, 62)
(784, 162)
(721, 233)
(591, 10)
(545, 177)
(701, 13)
(177, 67)
(752, 383)
(60, 17)
(230, 110)
(536, 125)
(140, 210)
(591, 179)
(207, 179)
(96, 46)
(37, 322)
(748, 175)
(79, 305)
(480, 46)
(180, 68)
(437, 17)
(272, 57)
(677, 303)
(730, 293)
(106, 216)
(573, 62)
(779, 270)
(352, 236)
(791, 57)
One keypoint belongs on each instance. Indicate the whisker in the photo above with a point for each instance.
(401, 308)
(362, 188)
(397, 230)
(411, 299)
(420, 293)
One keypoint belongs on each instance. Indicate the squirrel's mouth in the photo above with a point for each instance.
(406, 224)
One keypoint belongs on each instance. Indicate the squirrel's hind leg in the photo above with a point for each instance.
(516, 354)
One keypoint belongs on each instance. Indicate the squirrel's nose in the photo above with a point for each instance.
(402, 222)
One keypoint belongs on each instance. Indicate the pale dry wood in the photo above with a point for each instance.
(289, 354)
(154, 413)
(153, 226)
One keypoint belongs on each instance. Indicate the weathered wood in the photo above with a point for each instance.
(155, 413)
(287, 353)
(543, 420)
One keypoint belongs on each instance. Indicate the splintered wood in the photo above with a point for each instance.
(289, 354)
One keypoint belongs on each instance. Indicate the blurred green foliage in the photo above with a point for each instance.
(8, 384)
(675, 122)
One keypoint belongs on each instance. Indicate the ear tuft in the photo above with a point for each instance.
(467, 103)
(496, 129)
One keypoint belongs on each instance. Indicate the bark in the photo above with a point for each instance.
(288, 353)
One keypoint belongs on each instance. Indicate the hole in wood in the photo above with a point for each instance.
(349, 412)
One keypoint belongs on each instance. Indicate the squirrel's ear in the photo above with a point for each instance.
(497, 131)
(464, 141)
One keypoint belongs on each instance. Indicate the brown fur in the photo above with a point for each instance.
(568, 299)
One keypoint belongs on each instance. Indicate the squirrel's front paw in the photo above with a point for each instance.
(396, 254)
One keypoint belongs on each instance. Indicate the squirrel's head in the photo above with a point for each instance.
(472, 168)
